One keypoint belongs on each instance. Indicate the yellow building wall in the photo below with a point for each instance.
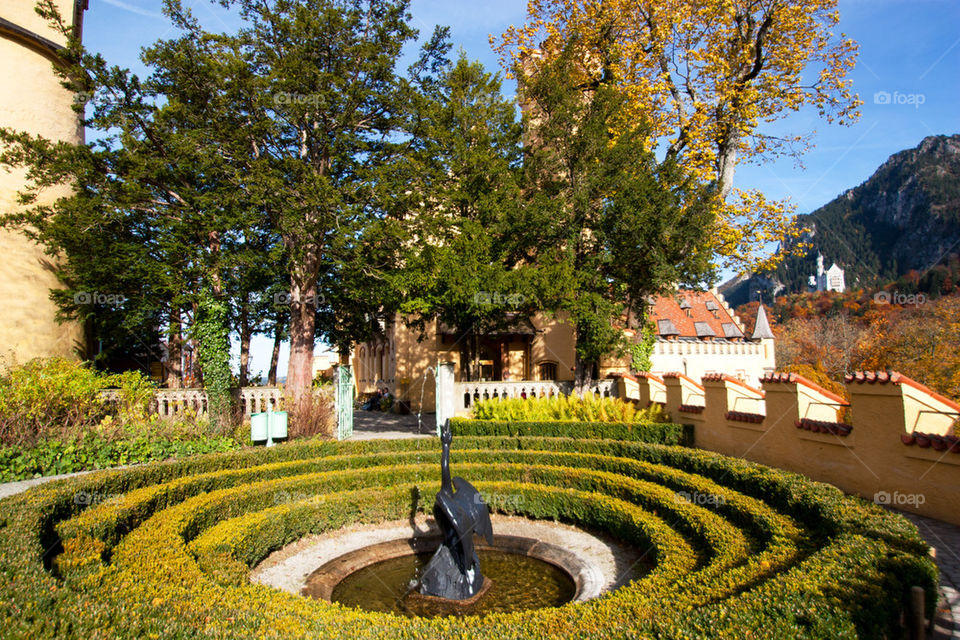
(871, 461)
(414, 357)
(31, 100)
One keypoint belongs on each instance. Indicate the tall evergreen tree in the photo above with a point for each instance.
(606, 224)
(464, 270)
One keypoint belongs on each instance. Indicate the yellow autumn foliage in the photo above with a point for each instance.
(706, 77)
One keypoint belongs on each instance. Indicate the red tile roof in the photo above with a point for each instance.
(669, 308)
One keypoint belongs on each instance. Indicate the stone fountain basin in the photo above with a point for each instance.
(596, 562)
(324, 579)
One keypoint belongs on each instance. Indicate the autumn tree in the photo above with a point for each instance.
(830, 344)
(921, 341)
(706, 77)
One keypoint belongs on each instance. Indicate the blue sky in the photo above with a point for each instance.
(909, 53)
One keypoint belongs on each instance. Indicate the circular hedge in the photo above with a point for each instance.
(740, 550)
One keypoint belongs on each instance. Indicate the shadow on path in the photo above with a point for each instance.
(377, 424)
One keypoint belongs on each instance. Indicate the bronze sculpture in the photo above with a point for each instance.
(454, 570)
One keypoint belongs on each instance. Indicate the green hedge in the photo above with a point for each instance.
(51, 457)
(162, 550)
(658, 433)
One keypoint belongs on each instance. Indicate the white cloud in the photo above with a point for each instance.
(126, 6)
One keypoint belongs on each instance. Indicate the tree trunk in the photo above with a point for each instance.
(245, 334)
(727, 166)
(583, 376)
(303, 321)
(173, 367)
(275, 355)
(195, 373)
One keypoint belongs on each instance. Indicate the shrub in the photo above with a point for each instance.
(661, 433)
(313, 415)
(53, 457)
(163, 550)
(572, 408)
(60, 398)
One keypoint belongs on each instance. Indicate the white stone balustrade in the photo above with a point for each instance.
(170, 402)
(466, 393)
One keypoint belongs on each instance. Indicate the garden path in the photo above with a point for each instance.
(945, 538)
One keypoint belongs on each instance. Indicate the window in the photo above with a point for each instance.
(548, 370)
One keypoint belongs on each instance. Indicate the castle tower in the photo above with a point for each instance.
(32, 100)
(762, 332)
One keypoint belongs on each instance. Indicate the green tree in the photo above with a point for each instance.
(144, 227)
(292, 130)
(325, 119)
(467, 273)
(605, 222)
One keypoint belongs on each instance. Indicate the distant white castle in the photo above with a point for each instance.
(827, 280)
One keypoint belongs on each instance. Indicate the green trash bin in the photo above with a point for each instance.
(269, 426)
(259, 429)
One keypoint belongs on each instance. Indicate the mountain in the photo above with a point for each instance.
(905, 218)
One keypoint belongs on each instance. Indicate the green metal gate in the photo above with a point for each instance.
(343, 380)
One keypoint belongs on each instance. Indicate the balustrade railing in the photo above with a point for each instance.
(170, 402)
(466, 393)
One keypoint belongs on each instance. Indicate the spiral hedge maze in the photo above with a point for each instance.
(164, 550)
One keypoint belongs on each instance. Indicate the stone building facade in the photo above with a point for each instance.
(697, 334)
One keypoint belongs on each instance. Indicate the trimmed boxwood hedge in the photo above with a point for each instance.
(163, 550)
(661, 433)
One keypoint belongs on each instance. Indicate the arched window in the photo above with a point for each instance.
(547, 370)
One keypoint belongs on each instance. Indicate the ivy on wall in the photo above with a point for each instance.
(213, 353)
(641, 350)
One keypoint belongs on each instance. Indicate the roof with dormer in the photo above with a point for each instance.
(695, 315)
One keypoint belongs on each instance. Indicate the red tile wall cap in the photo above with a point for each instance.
(725, 377)
(793, 378)
(677, 374)
(743, 416)
(691, 408)
(650, 376)
(636, 377)
(924, 440)
(824, 426)
(894, 377)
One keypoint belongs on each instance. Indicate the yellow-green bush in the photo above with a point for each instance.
(658, 432)
(163, 550)
(590, 408)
